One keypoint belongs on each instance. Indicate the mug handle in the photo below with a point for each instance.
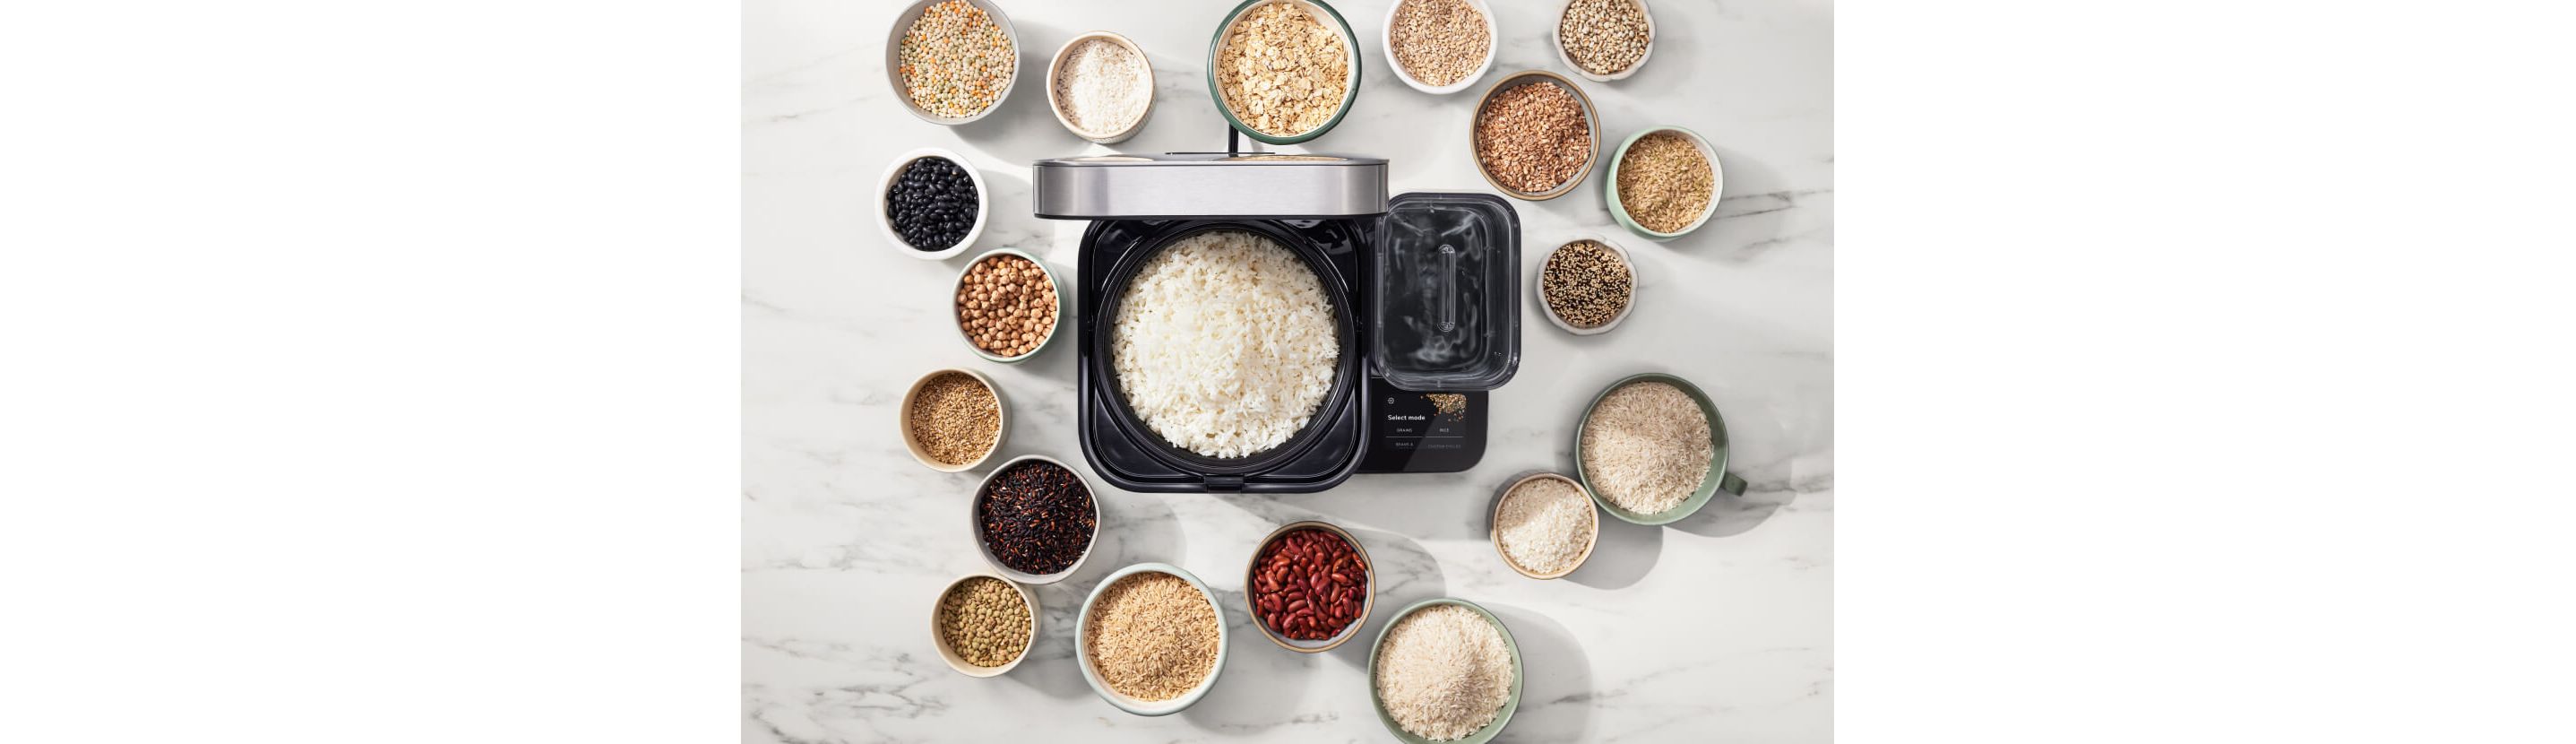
(1733, 486)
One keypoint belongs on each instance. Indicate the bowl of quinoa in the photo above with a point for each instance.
(1664, 183)
(952, 61)
(1283, 71)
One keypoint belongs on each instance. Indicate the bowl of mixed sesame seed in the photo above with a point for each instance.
(952, 61)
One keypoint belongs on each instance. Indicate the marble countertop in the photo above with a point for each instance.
(1716, 628)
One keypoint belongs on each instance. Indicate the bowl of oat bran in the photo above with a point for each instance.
(1535, 135)
(1150, 639)
(1664, 182)
(1283, 71)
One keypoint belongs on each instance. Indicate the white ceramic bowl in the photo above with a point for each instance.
(1493, 45)
(1082, 649)
(1558, 40)
(1056, 104)
(940, 640)
(1716, 187)
(1494, 531)
(894, 59)
(1062, 305)
(983, 203)
(1538, 288)
(903, 422)
(975, 527)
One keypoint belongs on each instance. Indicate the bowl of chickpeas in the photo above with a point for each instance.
(1009, 305)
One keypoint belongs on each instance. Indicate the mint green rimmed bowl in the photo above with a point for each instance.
(1716, 186)
(1325, 14)
(1716, 480)
(1510, 704)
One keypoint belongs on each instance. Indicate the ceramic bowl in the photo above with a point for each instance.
(1063, 305)
(1510, 704)
(975, 526)
(1090, 676)
(1618, 211)
(1718, 478)
(903, 422)
(1323, 13)
(1538, 289)
(1056, 104)
(940, 640)
(894, 60)
(1368, 589)
(1591, 118)
(983, 203)
(1559, 41)
(1494, 530)
(1493, 44)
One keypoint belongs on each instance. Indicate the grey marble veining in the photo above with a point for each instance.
(1717, 628)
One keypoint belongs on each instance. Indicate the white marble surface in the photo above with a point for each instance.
(1718, 628)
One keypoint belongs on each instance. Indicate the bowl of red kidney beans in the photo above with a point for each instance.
(1310, 586)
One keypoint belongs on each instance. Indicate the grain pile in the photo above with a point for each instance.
(1665, 183)
(985, 621)
(1151, 636)
(1224, 343)
(1281, 71)
(1533, 137)
(1101, 87)
(1439, 42)
(1444, 672)
(1586, 284)
(955, 60)
(1545, 525)
(955, 418)
(1604, 37)
(1647, 447)
(1006, 305)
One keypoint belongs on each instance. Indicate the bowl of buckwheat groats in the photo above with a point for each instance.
(952, 61)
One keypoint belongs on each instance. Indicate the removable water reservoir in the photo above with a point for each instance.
(1446, 314)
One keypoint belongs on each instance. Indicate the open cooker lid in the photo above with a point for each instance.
(1446, 313)
(1186, 184)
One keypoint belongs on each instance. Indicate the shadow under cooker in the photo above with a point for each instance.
(1424, 294)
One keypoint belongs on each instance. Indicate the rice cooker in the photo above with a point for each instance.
(1423, 287)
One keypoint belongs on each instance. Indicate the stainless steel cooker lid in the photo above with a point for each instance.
(1178, 185)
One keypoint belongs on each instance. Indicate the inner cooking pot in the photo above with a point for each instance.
(1337, 292)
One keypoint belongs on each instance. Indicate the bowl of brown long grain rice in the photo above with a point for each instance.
(1652, 450)
(1150, 639)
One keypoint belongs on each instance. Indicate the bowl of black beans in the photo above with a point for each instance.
(1035, 519)
(932, 203)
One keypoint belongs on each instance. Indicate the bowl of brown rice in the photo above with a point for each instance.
(1440, 46)
(1535, 135)
(1150, 639)
(1284, 71)
(1664, 182)
(1651, 449)
(1445, 670)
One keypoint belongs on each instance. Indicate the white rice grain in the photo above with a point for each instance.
(1444, 672)
(1647, 447)
(1225, 343)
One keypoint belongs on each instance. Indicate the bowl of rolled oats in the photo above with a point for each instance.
(1284, 71)
(1605, 40)
(1535, 135)
(1440, 46)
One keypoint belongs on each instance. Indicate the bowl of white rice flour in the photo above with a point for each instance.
(1225, 344)
(1445, 670)
(1652, 450)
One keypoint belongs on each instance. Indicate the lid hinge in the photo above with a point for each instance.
(1224, 484)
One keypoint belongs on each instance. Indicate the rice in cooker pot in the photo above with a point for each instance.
(1225, 344)
(1647, 447)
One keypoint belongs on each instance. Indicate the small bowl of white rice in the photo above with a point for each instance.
(1652, 450)
(1445, 670)
(1101, 87)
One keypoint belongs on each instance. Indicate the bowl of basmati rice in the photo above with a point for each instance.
(1652, 450)
(1445, 670)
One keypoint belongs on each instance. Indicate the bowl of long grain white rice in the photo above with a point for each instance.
(1652, 450)
(1445, 670)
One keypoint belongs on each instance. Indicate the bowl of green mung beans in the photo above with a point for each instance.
(983, 625)
(952, 61)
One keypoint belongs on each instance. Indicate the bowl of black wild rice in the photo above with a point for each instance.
(1035, 519)
(932, 203)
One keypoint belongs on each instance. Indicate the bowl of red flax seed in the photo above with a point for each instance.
(952, 420)
(1150, 639)
(1534, 135)
(1664, 183)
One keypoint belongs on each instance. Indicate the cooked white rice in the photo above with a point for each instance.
(1444, 672)
(1225, 343)
(1647, 447)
